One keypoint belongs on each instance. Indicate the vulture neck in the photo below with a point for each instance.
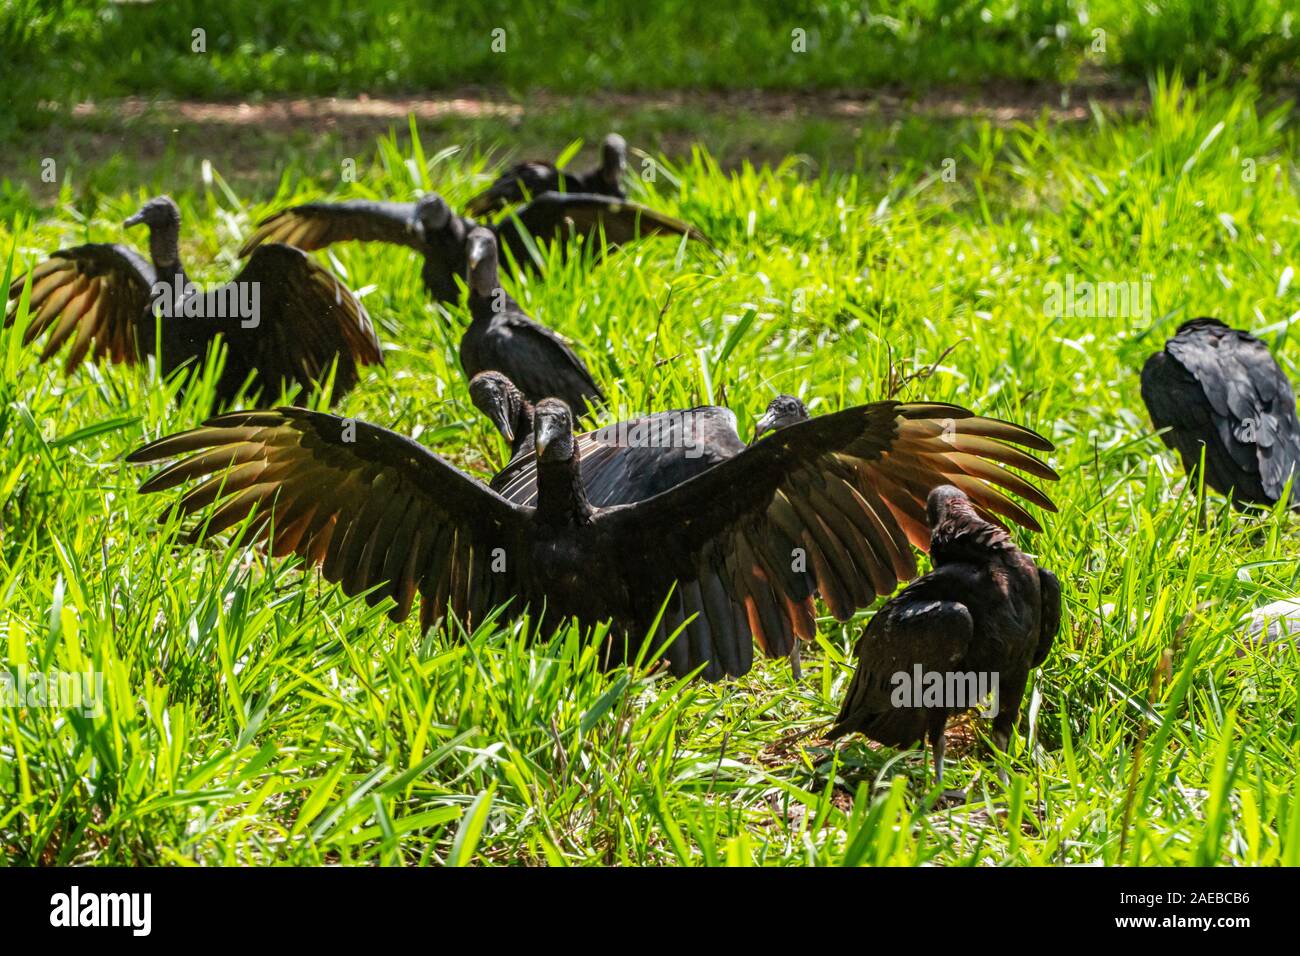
(561, 498)
(164, 249)
(481, 306)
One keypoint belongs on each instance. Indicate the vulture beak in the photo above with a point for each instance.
(507, 427)
(547, 430)
(477, 252)
(764, 425)
(135, 220)
(414, 225)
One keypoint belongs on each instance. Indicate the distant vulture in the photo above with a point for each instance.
(433, 230)
(986, 612)
(823, 507)
(502, 338)
(283, 317)
(526, 180)
(1219, 390)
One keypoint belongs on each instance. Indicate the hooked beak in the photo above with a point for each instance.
(507, 427)
(414, 225)
(477, 253)
(764, 425)
(547, 431)
(134, 220)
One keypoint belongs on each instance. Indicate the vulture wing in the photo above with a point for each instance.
(923, 626)
(98, 291)
(371, 507)
(1049, 615)
(565, 215)
(307, 318)
(315, 225)
(514, 185)
(636, 459)
(1220, 389)
(827, 506)
(538, 361)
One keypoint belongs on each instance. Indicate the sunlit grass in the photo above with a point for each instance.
(252, 714)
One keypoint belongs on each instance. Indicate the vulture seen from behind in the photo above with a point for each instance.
(831, 507)
(525, 180)
(284, 318)
(502, 338)
(430, 228)
(1218, 390)
(986, 610)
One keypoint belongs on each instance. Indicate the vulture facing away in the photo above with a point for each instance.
(525, 180)
(502, 338)
(986, 609)
(828, 507)
(430, 228)
(1218, 389)
(284, 318)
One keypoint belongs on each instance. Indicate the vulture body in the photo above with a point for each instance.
(828, 507)
(985, 609)
(103, 297)
(1218, 389)
(627, 461)
(502, 338)
(430, 228)
(526, 180)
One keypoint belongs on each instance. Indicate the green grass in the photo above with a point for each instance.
(252, 714)
(61, 51)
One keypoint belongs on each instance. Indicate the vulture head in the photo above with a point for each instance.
(613, 158)
(481, 254)
(432, 214)
(781, 411)
(157, 213)
(553, 431)
(499, 400)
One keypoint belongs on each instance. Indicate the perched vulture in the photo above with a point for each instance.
(985, 611)
(1218, 390)
(284, 318)
(502, 338)
(430, 228)
(525, 180)
(828, 507)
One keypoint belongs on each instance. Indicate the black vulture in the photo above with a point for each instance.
(626, 461)
(525, 180)
(982, 619)
(1219, 390)
(736, 554)
(502, 338)
(284, 318)
(438, 234)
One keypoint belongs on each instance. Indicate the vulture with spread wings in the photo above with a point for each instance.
(430, 228)
(829, 507)
(525, 180)
(1218, 390)
(986, 610)
(284, 319)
